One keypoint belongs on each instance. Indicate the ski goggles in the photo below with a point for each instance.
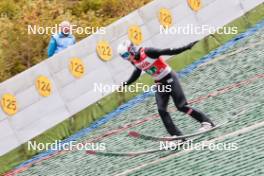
(126, 55)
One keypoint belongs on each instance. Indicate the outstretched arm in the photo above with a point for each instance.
(135, 75)
(155, 53)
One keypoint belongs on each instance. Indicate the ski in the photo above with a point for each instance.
(156, 138)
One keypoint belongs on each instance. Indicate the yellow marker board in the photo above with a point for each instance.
(77, 67)
(165, 17)
(43, 85)
(135, 34)
(195, 5)
(104, 50)
(9, 104)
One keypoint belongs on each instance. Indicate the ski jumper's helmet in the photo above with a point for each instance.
(125, 49)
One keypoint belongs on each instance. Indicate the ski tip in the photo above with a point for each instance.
(90, 152)
(134, 134)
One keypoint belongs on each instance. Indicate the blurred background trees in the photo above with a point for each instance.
(20, 50)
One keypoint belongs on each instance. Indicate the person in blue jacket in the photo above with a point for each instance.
(62, 40)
